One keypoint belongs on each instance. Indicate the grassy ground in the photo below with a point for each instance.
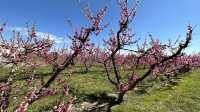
(184, 97)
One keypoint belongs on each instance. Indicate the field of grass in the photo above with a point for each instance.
(93, 86)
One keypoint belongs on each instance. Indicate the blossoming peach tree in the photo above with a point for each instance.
(160, 58)
(21, 53)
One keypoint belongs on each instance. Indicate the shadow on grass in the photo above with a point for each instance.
(100, 98)
(102, 102)
(91, 71)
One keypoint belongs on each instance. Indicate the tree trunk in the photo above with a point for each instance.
(117, 102)
(86, 68)
(120, 98)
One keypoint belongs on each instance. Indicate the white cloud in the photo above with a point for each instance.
(55, 38)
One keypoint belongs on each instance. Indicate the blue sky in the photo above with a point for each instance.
(163, 18)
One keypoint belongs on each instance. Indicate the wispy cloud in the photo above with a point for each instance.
(55, 38)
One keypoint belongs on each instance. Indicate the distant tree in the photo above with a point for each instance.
(87, 58)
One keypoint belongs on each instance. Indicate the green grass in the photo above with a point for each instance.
(94, 83)
(3, 73)
(184, 97)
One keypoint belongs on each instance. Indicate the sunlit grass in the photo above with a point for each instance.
(185, 97)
